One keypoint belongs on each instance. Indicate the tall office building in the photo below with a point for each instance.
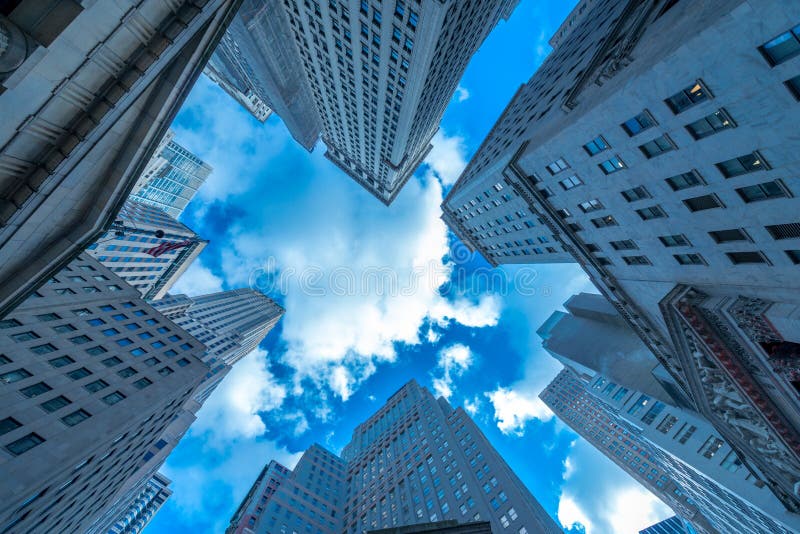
(87, 91)
(417, 460)
(374, 77)
(171, 177)
(87, 386)
(671, 525)
(138, 229)
(440, 527)
(654, 144)
(134, 514)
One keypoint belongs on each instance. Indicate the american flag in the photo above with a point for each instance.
(166, 246)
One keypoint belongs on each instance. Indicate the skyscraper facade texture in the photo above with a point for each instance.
(126, 248)
(372, 79)
(417, 460)
(132, 515)
(87, 91)
(654, 144)
(87, 386)
(171, 178)
(671, 525)
(440, 527)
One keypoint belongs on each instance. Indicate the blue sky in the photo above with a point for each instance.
(291, 224)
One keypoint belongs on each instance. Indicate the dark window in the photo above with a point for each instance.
(64, 328)
(35, 390)
(794, 256)
(112, 361)
(639, 123)
(96, 351)
(96, 386)
(9, 323)
(80, 340)
(762, 191)
(636, 260)
(705, 202)
(689, 259)
(43, 349)
(81, 312)
(746, 257)
(596, 145)
(61, 361)
(563, 213)
(626, 244)
(783, 47)
(784, 231)
(612, 165)
(602, 222)
(710, 124)
(152, 361)
(726, 236)
(676, 240)
(4, 359)
(125, 373)
(183, 362)
(142, 383)
(15, 376)
(24, 336)
(165, 371)
(653, 212)
(793, 84)
(77, 374)
(684, 181)
(48, 317)
(657, 146)
(741, 165)
(24, 444)
(688, 97)
(636, 193)
(55, 404)
(75, 417)
(8, 424)
(113, 398)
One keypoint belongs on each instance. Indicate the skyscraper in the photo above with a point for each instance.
(132, 515)
(671, 525)
(440, 527)
(137, 229)
(87, 386)
(654, 145)
(87, 91)
(417, 460)
(375, 77)
(171, 178)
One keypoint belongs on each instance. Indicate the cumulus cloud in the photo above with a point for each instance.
(462, 94)
(471, 406)
(197, 280)
(452, 362)
(447, 159)
(513, 409)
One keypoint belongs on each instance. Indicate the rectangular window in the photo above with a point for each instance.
(35, 390)
(705, 202)
(54, 404)
(710, 447)
(24, 444)
(569, 183)
(731, 462)
(675, 240)
(111, 362)
(142, 383)
(612, 165)
(590, 206)
(15, 376)
(653, 412)
(24, 336)
(687, 97)
(653, 212)
(686, 434)
(793, 84)
(621, 392)
(77, 374)
(657, 146)
(763, 191)
(727, 236)
(8, 424)
(113, 398)
(61, 361)
(97, 385)
(640, 403)
(639, 123)
(782, 48)
(685, 180)
(689, 259)
(755, 256)
(75, 417)
(626, 244)
(794, 256)
(742, 165)
(635, 193)
(784, 231)
(710, 124)
(636, 260)
(9, 323)
(603, 222)
(557, 166)
(125, 373)
(596, 145)
(666, 425)
(43, 349)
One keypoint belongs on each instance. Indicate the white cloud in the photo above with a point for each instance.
(471, 406)
(197, 280)
(462, 94)
(432, 336)
(447, 158)
(513, 409)
(569, 513)
(453, 361)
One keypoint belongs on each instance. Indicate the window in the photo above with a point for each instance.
(784, 231)
(763, 191)
(603, 222)
(675, 240)
(55, 404)
(726, 236)
(689, 259)
(636, 260)
(557, 166)
(621, 392)
(612, 165)
(626, 244)
(113, 398)
(685, 180)
(75, 417)
(657, 146)
(96, 351)
(710, 124)
(688, 97)
(8, 424)
(636, 193)
(165, 371)
(590, 206)
(794, 256)
(48, 317)
(14, 376)
(125, 373)
(653, 212)
(731, 462)
(639, 123)
(97, 385)
(77, 374)
(596, 145)
(710, 447)
(793, 84)
(705, 202)
(569, 183)
(640, 403)
(43, 349)
(82, 312)
(35, 390)
(666, 425)
(80, 340)
(782, 48)
(110, 332)
(741, 165)
(24, 336)
(9, 323)
(653, 412)
(142, 383)
(24, 444)
(152, 361)
(64, 328)
(111, 362)
(746, 257)
(61, 361)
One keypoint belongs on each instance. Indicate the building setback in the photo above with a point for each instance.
(375, 78)
(665, 166)
(417, 460)
(171, 178)
(137, 229)
(87, 92)
(90, 377)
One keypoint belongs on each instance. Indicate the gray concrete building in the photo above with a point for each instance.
(127, 248)
(90, 377)
(654, 144)
(171, 178)
(371, 79)
(415, 461)
(133, 514)
(87, 91)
